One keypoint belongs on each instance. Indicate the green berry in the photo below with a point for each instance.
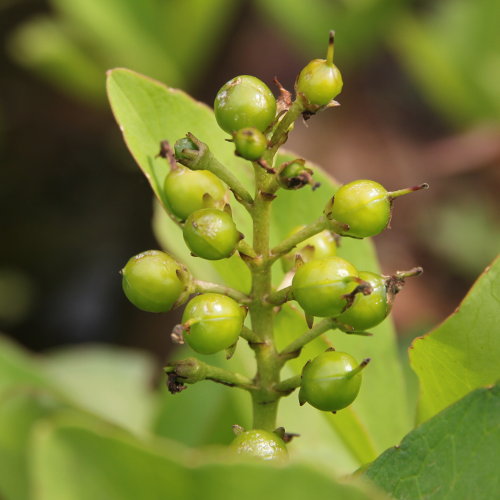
(250, 143)
(244, 101)
(260, 444)
(368, 310)
(213, 321)
(295, 175)
(211, 234)
(319, 286)
(319, 246)
(189, 190)
(151, 281)
(364, 205)
(320, 81)
(331, 381)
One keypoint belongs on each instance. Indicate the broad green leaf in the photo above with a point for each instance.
(20, 408)
(45, 46)
(438, 56)
(171, 40)
(204, 413)
(111, 382)
(453, 455)
(148, 112)
(75, 461)
(360, 26)
(18, 367)
(462, 353)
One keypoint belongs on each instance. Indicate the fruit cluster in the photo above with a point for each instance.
(196, 194)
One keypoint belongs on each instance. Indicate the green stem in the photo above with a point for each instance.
(280, 133)
(192, 370)
(208, 287)
(264, 398)
(280, 296)
(292, 241)
(249, 335)
(318, 329)
(401, 192)
(203, 159)
(244, 248)
(289, 385)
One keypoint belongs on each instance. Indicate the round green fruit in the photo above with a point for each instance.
(319, 82)
(319, 286)
(364, 205)
(331, 381)
(244, 101)
(151, 281)
(214, 322)
(211, 234)
(189, 190)
(368, 310)
(260, 444)
(319, 246)
(250, 143)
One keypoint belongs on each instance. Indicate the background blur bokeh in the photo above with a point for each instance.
(421, 102)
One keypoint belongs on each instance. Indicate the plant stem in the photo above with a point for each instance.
(249, 335)
(208, 287)
(281, 131)
(280, 296)
(264, 398)
(192, 370)
(203, 159)
(321, 327)
(289, 385)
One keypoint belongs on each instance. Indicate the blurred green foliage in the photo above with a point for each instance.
(449, 49)
(172, 40)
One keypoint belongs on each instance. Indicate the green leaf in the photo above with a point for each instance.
(462, 353)
(20, 408)
(453, 455)
(44, 46)
(73, 460)
(439, 48)
(359, 26)
(111, 382)
(203, 414)
(18, 368)
(148, 112)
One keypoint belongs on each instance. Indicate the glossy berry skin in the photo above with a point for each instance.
(368, 310)
(364, 205)
(250, 143)
(324, 383)
(319, 246)
(150, 281)
(260, 444)
(319, 82)
(211, 234)
(244, 101)
(186, 191)
(319, 285)
(215, 322)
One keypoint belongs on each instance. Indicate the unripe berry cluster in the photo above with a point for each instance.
(196, 193)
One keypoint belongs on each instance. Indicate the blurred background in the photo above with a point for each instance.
(421, 102)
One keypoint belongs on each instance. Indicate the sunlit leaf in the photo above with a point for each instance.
(453, 455)
(462, 353)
